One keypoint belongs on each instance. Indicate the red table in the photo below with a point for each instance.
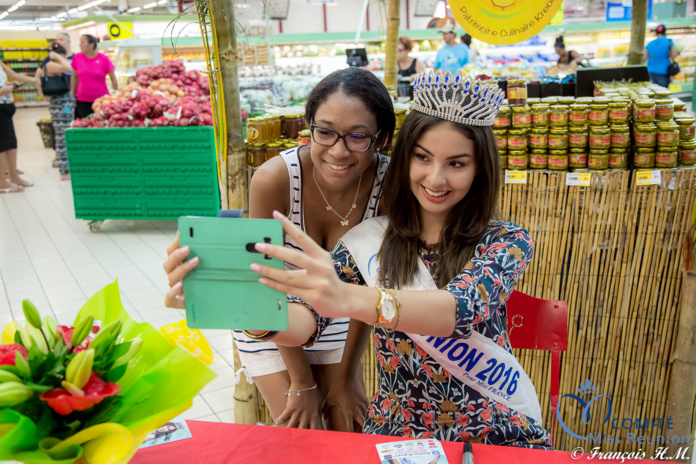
(222, 443)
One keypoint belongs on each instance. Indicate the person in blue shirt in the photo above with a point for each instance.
(454, 55)
(659, 54)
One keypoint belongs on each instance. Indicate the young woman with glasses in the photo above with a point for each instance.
(325, 188)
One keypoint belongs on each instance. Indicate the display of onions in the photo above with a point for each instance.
(163, 95)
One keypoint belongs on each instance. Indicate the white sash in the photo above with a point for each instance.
(477, 361)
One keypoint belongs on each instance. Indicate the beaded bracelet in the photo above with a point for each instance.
(287, 393)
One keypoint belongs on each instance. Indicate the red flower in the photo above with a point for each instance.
(7, 353)
(67, 336)
(62, 402)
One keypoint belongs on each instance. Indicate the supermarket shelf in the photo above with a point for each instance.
(34, 104)
(23, 60)
(25, 49)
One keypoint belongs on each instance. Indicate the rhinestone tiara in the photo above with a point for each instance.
(472, 102)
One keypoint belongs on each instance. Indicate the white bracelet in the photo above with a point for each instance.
(287, 393)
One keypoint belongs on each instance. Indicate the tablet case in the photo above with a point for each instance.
(222, 292)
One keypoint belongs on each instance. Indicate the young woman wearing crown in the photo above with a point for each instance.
(432, 277)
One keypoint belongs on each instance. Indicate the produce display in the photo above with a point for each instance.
(163, 95)
(624, 126)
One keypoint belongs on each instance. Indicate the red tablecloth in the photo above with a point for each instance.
(221, 443)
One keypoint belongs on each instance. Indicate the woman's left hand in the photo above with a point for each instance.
(319, 285)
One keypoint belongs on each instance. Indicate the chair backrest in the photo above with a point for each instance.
(536, 324)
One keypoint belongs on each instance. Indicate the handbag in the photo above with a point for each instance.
(673, 69)
(52, 86)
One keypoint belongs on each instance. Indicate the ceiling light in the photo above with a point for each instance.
(133, 10)
(73, 11)
(84, 7)
(150, 5)
(3, 15)
(162, 2)
(16, 5)
(62, 15)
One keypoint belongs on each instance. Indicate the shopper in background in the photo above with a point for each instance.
(659, 54)
(61, 107)
(88, 82)
(474, 56)
(408, 67)
(567, 60)
(333, 184)
(8, 139)
(454, 55)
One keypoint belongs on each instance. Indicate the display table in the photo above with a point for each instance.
(222, 443)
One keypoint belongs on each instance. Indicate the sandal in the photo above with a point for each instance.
(28, 184)
(13, 189)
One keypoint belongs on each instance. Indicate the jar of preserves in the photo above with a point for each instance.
(255, 130)
(679, 106)
(567, 101)
(277, 129)
(503, 118)
(292, 125)
(521, 117)
(618, 112)
(687, 153)
(517, 92)
(500, 138)
(686, 127)
(273, 149)
(666, 157)
(538, 138)
(667, 134)
(503, 161)
(662, 92)
(644, 111)
(599, 114)
(664, 109)
(645, 135)
(540, 115)
(578, 136)
(578, 114)
(289, 143)
(620, 136)
(517, 139)
(558, 115)
(304, 137)
(538, 159)
(577, 158)
(618, 159)
(517, 160)
(558, 138)
(644, 158)
(549, 100)
(600, 138)
(558, 160)
(533, 101)
(256, 154)
(598, 161)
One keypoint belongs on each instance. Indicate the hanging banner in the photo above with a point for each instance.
(503, 22)
(117, 31)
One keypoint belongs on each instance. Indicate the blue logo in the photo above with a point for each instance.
(586, 390)
(369, 265)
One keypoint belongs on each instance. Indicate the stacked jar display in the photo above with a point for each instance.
(268, 136)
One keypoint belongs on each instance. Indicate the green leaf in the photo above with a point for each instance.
(115, 374)
(39, 388)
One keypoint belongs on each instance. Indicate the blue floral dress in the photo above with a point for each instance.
(417, 397)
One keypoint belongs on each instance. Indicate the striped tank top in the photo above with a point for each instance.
(334, 336)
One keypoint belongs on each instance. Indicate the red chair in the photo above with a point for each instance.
(535, 324)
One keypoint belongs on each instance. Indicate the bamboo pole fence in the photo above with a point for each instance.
(613, 251)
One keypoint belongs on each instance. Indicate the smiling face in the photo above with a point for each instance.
(336, 165)
(442, 170)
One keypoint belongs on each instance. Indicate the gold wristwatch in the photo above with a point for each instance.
(386, 307)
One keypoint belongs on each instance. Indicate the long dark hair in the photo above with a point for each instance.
(363, 85)
(467, 222)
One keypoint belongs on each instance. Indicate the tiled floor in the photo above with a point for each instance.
(51, 258)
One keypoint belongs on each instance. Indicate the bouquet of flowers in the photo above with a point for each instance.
(93, 391)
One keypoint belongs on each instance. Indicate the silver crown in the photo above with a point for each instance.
(472, 102)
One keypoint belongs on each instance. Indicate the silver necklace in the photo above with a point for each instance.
(344, 220)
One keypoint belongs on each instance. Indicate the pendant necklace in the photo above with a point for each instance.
(344, 220)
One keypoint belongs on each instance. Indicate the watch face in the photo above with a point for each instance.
(388, 309)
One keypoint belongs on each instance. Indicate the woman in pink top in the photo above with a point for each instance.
(88, 82)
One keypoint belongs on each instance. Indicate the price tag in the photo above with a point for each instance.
(515, 177)
(578, 179)
(648, 177)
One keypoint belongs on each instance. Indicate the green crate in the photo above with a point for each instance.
(143, 173)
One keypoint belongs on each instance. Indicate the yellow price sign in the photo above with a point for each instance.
(504, 22)
(515, 177)
(578, 179)
(120, 30)
(648, 177)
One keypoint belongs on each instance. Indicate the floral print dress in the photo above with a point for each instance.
(417, 397)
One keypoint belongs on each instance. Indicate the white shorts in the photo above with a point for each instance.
(271, 362)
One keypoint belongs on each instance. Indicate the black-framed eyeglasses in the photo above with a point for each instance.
(354, 142)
